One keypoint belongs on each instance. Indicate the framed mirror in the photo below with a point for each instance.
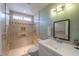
(61, 29)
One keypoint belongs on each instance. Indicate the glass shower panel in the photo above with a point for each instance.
(2, 27)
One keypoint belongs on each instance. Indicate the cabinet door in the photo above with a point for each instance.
(44, 51)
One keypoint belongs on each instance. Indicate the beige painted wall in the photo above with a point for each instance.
(37, 24)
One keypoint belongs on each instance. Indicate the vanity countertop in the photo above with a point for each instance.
(63, 49)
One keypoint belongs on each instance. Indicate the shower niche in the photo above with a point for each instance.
(23, 29)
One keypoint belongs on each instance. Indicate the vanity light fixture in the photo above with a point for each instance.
(60, 8)
(68, 6)
(53, 12)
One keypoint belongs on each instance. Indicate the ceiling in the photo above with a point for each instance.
(27, 8)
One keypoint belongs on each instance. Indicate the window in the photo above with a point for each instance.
(22, 18)
(17, 17)
(27, 19)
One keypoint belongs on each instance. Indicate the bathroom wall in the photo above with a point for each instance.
(46, 20)
(43, 23)
(21, 33)
(37, 25)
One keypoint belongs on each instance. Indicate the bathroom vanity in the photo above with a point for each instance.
(51, 47)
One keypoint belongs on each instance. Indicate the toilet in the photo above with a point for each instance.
(33, 51)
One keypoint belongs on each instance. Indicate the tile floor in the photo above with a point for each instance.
(23, 51)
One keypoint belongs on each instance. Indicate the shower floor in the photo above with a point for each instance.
(23, 51)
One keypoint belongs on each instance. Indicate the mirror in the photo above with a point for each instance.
(61, 29)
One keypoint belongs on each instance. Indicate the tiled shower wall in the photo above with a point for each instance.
(21, 33)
